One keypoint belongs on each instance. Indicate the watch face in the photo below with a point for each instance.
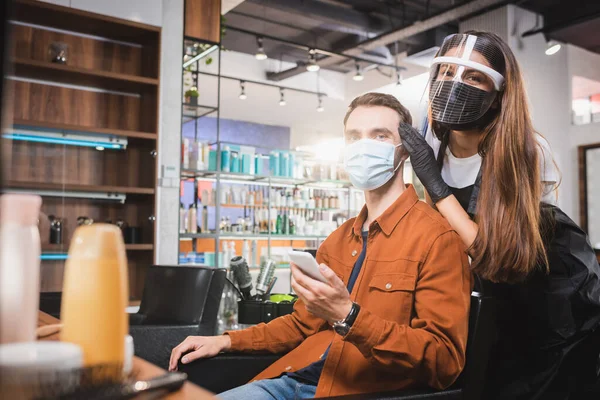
(341, 329)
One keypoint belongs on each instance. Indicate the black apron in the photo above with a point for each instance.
(548, 340)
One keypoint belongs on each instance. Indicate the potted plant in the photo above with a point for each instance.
(191, 96)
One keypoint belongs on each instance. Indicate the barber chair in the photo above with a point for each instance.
(50, 303)
(228, 371)
(178, 301)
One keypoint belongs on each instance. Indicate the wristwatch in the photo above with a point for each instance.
(343, 327)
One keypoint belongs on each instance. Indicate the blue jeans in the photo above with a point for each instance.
(282, 388)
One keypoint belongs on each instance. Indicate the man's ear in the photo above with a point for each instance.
(400, 156)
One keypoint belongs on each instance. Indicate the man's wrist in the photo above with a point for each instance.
(343, 326)
(344, 311)
(226, 342)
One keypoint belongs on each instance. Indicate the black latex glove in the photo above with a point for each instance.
(423, 162)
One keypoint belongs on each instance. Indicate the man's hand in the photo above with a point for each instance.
(330, 302)
(202, 346)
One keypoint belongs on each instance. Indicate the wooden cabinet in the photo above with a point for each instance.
(203, 20)
(107, 91)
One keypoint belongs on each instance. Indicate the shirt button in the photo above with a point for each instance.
(288, 368)
(388, 285)
(354, 253)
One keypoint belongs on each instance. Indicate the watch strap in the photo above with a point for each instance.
(351, 317)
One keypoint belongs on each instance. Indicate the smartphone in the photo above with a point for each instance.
(307, 263)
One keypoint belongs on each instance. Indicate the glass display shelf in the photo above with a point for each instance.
(241, 236)
(235, 177)
(277, 207)
(195, 111)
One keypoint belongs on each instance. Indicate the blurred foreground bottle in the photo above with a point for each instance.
(19, 267)
(95, 294)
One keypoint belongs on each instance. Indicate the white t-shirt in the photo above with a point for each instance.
(462, 172)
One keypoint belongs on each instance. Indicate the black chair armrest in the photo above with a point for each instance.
(227, 371)
(136, 319)
(154, 343)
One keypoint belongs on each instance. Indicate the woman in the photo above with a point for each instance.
(492, 179)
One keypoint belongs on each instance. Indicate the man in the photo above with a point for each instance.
(395, 312)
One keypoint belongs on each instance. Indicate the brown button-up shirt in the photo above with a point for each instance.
(414, 292)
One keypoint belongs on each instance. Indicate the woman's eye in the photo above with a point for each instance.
(448, 73)
(381, 136)
(474, 78)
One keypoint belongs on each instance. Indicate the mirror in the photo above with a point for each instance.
(589, 189)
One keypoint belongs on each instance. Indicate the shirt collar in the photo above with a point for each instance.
(388, 220)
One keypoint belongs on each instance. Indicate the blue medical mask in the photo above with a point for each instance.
(370, 163)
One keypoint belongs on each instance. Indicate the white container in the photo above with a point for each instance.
(254, 261)
(246, 251)
(199, 156)
(183, 225)
(192, 219)
(28, 368)
(19, 267)
(225, 255)
(185, 153)
(129, 352)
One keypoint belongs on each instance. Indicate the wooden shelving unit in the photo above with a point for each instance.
(79, 188)
(81, 76)
(61, 248)
(108, 87)
(84, 129)
(139, 247)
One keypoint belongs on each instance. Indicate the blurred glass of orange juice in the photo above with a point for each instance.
(95, 294)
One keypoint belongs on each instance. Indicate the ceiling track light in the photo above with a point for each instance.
(312, 65)
(552, 47)
(260, 52)
(281, 97)
(320, 107)
(358, 76)
(242, 95)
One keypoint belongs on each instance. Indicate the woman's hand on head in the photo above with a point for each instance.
(423, 162)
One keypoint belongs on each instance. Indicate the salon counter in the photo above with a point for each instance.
(144, 369)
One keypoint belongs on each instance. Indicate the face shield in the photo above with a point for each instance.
(463, 84)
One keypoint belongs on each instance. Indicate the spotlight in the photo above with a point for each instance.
(99, 148)
(552, 47)
(312, 65)
(243, 90)
(260, 52)
(281, 97)
(358, 76)
(320, 107)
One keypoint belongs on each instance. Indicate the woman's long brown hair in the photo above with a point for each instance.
(509, 245)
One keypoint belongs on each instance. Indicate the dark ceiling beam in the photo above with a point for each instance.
(334, 16)
(322, 52)
(560, 12)
(352, 41)
(562, 24)
(403, 33)
(442, 18)
(413, 3)
(267, 21)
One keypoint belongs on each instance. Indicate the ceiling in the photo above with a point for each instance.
(570, 21)
(333, 25)
(374, 30)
